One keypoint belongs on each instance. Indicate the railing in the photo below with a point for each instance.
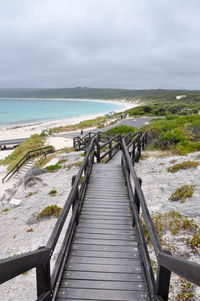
(29, 155)
(108, 148)
(47, 282)
(80, 143)
(167, 263)
(40, 259)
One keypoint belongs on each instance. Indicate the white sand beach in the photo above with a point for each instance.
(26, 130)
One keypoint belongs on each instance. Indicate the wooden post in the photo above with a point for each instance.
(110, 147)
(139, 150)
(43, 277)
(163, 281)
(137, 200)
(133, 153)
(143, 143)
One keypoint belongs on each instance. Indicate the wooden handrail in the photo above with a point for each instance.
(167, 263)
(26, 157)
(14, 266)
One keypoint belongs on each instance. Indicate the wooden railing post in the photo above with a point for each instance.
(145, 138)
(137, 200)
(43, 277)
(98, 152)
(143, 143)
(133, 153)
(138, 150)
(110, 147)
(163, 281)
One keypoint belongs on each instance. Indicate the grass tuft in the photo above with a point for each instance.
(182, 166)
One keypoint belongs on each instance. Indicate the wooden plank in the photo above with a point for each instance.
(116, 295)
(92, 206)
(103, 242)
(104, 231)
(85, 213)
(96, 284)
(107, 261)
(104, 268)
(122, 237)
(104, 225)
(107, 218)
(127, 277)
(108, 248)
(119, 255)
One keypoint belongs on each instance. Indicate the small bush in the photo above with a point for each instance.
(54, 167)
(5, 210)
(183, 165)
(53, 192)
(182, 193)
(49, 211)
(171, 221)
(186, 291)
(32, 193)
(195, 241)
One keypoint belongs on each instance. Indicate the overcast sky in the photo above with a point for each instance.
(133, 44)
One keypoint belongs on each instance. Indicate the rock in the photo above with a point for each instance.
(35, 171)
(15, 202)
(31, 181)
(8, 194)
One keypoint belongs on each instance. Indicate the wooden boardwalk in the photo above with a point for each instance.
(104, 261)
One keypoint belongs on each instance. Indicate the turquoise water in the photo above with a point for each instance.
(20, 111)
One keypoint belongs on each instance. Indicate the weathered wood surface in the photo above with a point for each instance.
(104, 261)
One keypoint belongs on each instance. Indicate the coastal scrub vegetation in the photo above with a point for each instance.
(54, 167)
(178, 134)
(44, 160)
(53, 192)
(122, 130)
(34, 142)
(181, 193)
(52, 210)
(173, 222)
(182, 166)
(164, 109)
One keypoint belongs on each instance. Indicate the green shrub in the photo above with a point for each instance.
(186, 191)
(171, 221)
(53, 192)
(5, 210)
(182, 166)
(49, 211)
(32, 193)
(180, 135)
(54, 167)
(122, 130)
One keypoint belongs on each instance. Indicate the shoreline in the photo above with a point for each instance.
(27, 129)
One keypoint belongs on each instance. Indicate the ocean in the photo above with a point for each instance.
(22, 111)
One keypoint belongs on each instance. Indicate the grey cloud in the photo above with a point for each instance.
(100, 43)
